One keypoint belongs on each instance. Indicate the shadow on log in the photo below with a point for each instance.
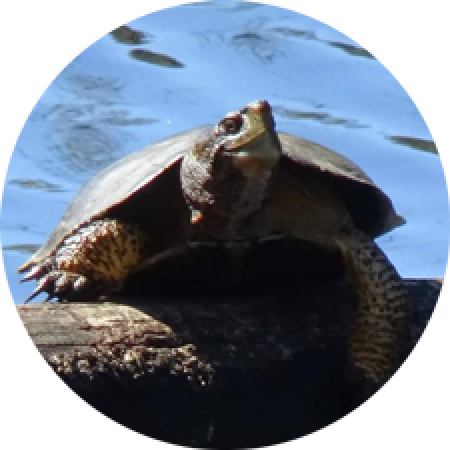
(218, 370)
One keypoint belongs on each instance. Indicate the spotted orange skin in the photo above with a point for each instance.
(96, 257)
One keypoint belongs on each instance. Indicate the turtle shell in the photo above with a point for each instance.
(145, 187)
(371, 209)
(142, 186)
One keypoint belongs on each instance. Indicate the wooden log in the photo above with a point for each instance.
(212, 370)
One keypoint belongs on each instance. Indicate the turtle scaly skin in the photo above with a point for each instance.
(380, 328)
(96, 258)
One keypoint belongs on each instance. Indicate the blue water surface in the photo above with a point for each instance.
(187, 66)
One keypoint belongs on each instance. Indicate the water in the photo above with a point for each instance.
(187, 66)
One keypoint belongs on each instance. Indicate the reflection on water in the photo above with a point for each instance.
(324, 118)
(40, 185)
(261, 47)
(419, 144)
(322, 86)
(82, 128)
(351, 49)
(308, 34)
(27, 249)
(154, 58)
(126, 35)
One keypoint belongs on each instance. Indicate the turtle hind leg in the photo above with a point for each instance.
(380, 329)
(93, 260)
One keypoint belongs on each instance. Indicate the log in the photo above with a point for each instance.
(213, 369)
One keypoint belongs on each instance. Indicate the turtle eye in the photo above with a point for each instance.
(232, 125)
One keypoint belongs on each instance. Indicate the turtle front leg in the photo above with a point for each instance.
(380, 331)
(67, 286)
(93, 260)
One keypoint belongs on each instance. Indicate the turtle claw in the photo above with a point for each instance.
(35, 273)
(35, 293)
(42, 286)
(48, 298)
(58, 284)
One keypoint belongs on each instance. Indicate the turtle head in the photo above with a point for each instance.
(227, 175)
(247, 138)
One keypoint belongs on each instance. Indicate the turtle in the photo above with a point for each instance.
(235, 184)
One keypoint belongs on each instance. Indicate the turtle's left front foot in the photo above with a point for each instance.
(66, 286)
(93, 260)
